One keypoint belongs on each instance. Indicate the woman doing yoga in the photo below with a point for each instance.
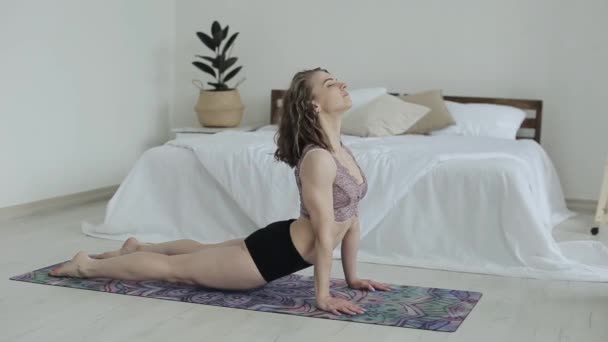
(331, 184)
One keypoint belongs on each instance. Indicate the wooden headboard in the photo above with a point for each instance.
(532, 123)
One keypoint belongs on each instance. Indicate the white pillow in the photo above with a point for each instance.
(362, 96)
(483, 119)
(384, 116)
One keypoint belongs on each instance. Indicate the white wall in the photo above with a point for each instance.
(550, 50)
(85, 88)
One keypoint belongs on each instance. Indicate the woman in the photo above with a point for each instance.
(331, 185)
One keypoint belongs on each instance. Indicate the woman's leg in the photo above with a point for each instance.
(184, 246)
(176, 247)
(228, 267)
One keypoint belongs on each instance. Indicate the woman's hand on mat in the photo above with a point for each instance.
(337, 306)
(368, 285)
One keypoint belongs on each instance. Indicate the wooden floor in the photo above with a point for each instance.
(511, 309)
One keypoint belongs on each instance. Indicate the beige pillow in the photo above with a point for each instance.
(439, 117)
(386, 115)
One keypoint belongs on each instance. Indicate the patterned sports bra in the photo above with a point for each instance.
(346, 191)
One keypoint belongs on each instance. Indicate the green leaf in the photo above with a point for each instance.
(225, 32)
(225, 65)
(204, 67)
(229, 42)
(208, 41)
(210, 59)
(216, 31)
(232, 73)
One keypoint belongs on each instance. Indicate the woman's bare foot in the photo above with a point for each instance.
(72, 268)
(129, 246)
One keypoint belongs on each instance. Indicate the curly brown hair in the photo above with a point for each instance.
(298, 121)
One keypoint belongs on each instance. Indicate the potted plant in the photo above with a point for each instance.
(221, 105)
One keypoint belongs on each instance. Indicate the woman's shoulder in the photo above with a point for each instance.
(318, 167)
(315, 156)
(308, 148)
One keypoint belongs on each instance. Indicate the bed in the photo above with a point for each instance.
(530, 128)
(468, 204)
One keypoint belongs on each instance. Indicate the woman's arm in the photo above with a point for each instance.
(350, 246)
(317, 173)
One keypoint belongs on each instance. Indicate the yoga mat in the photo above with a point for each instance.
(406, 306)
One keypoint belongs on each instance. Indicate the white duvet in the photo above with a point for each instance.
(471, 204)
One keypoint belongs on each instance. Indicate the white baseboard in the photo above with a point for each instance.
(60, 202)
(581, 205)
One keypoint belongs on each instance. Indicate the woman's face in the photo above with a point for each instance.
(329, 94)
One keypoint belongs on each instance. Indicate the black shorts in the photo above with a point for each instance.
(273, 251)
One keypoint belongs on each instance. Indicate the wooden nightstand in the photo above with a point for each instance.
(185, 132)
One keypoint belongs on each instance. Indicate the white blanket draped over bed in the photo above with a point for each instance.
(469, 204)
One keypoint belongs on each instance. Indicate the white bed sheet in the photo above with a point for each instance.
(470, 212)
